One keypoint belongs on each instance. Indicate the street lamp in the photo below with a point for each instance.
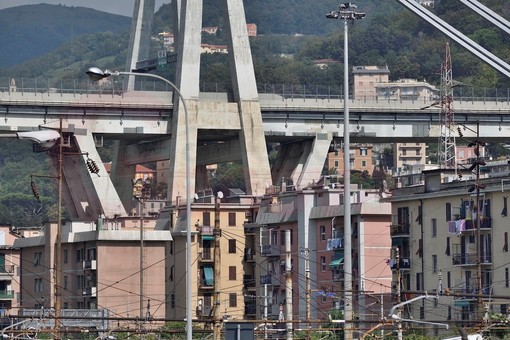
(96, 74)
(48, 138)
(347, 12)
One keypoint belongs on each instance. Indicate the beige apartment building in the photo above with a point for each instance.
(102, 265)
(219, 283)
(409, 155)
(365, 79)
(453, 238)
(360, 158)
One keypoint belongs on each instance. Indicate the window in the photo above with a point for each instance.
(65, 282)
(172, 300)
(505, 245)
(323, 263)
(232, 246)
(274, 237)
(282, 237)
(206, 217)
(66, 256)
(504, 212)
(232, 272)
(364, 164)
(37, 258)
(434, 227)
(232, 300)
(336, 164)
(447, 252)
(448, 212)
(171, 246)
(171, 276)
(363, 151)
(231, 219)
(507, 278)
(38, 285)
(448, 279)
(79, 255)
(434, 263)
(322, 229)
(418, 280)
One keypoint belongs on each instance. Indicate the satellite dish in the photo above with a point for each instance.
(196, 196)
(220, 194)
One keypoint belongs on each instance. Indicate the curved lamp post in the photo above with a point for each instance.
(47, 139)
(96, 74)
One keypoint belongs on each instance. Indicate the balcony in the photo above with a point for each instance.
(248, 281)
(249, 253)
(462, 225)
(400, 229)
(250, 309)
(265, 279)
(404, 264)
(205, 230)
(205, 255)
(6, 294)
(90, 265)
(270, 250)
(6, 272)
(90, 291)
(470, 259)
(338, 276)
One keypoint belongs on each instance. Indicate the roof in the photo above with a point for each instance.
(370, 70)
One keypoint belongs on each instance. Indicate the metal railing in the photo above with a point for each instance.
(284, 91)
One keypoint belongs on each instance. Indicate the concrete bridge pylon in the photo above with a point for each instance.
(206, 120)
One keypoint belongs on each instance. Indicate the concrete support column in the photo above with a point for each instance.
(104, 199)
(139, 41)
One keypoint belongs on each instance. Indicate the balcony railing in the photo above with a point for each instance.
(90, 264)
(470, 259)
(206, 230)
(250, 309)
(249, 253)
(338, 276)
(265, 279)
(205, 255)
(270, 250)
(404, 263)
(90, 291)
(248, 281)
(6, 294)
(400, 229)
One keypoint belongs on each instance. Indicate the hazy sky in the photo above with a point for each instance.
(122, 7)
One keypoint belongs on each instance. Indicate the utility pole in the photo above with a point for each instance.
(217, 267)
(478, 220)
(307, 293)
(288, 284)
(399, 311)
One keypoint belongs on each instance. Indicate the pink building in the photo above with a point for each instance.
(9, 272)
(102, 267)
(316, 215)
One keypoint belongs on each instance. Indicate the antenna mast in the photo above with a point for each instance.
(447, 139)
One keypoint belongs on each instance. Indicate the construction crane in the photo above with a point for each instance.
(447, 137)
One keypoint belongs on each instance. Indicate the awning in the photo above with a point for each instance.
(209, 276)
(336, 263)
(461, 303)
(207, 237)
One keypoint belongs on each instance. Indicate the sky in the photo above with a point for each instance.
(121, 7)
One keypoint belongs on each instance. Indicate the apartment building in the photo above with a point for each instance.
(102, 262)
(313, 217)
(365, 79)
(217, 229)
(409, 155)
(360, 158)
(452, 237)
(9, 272)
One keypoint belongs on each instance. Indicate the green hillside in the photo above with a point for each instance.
(34, 30)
